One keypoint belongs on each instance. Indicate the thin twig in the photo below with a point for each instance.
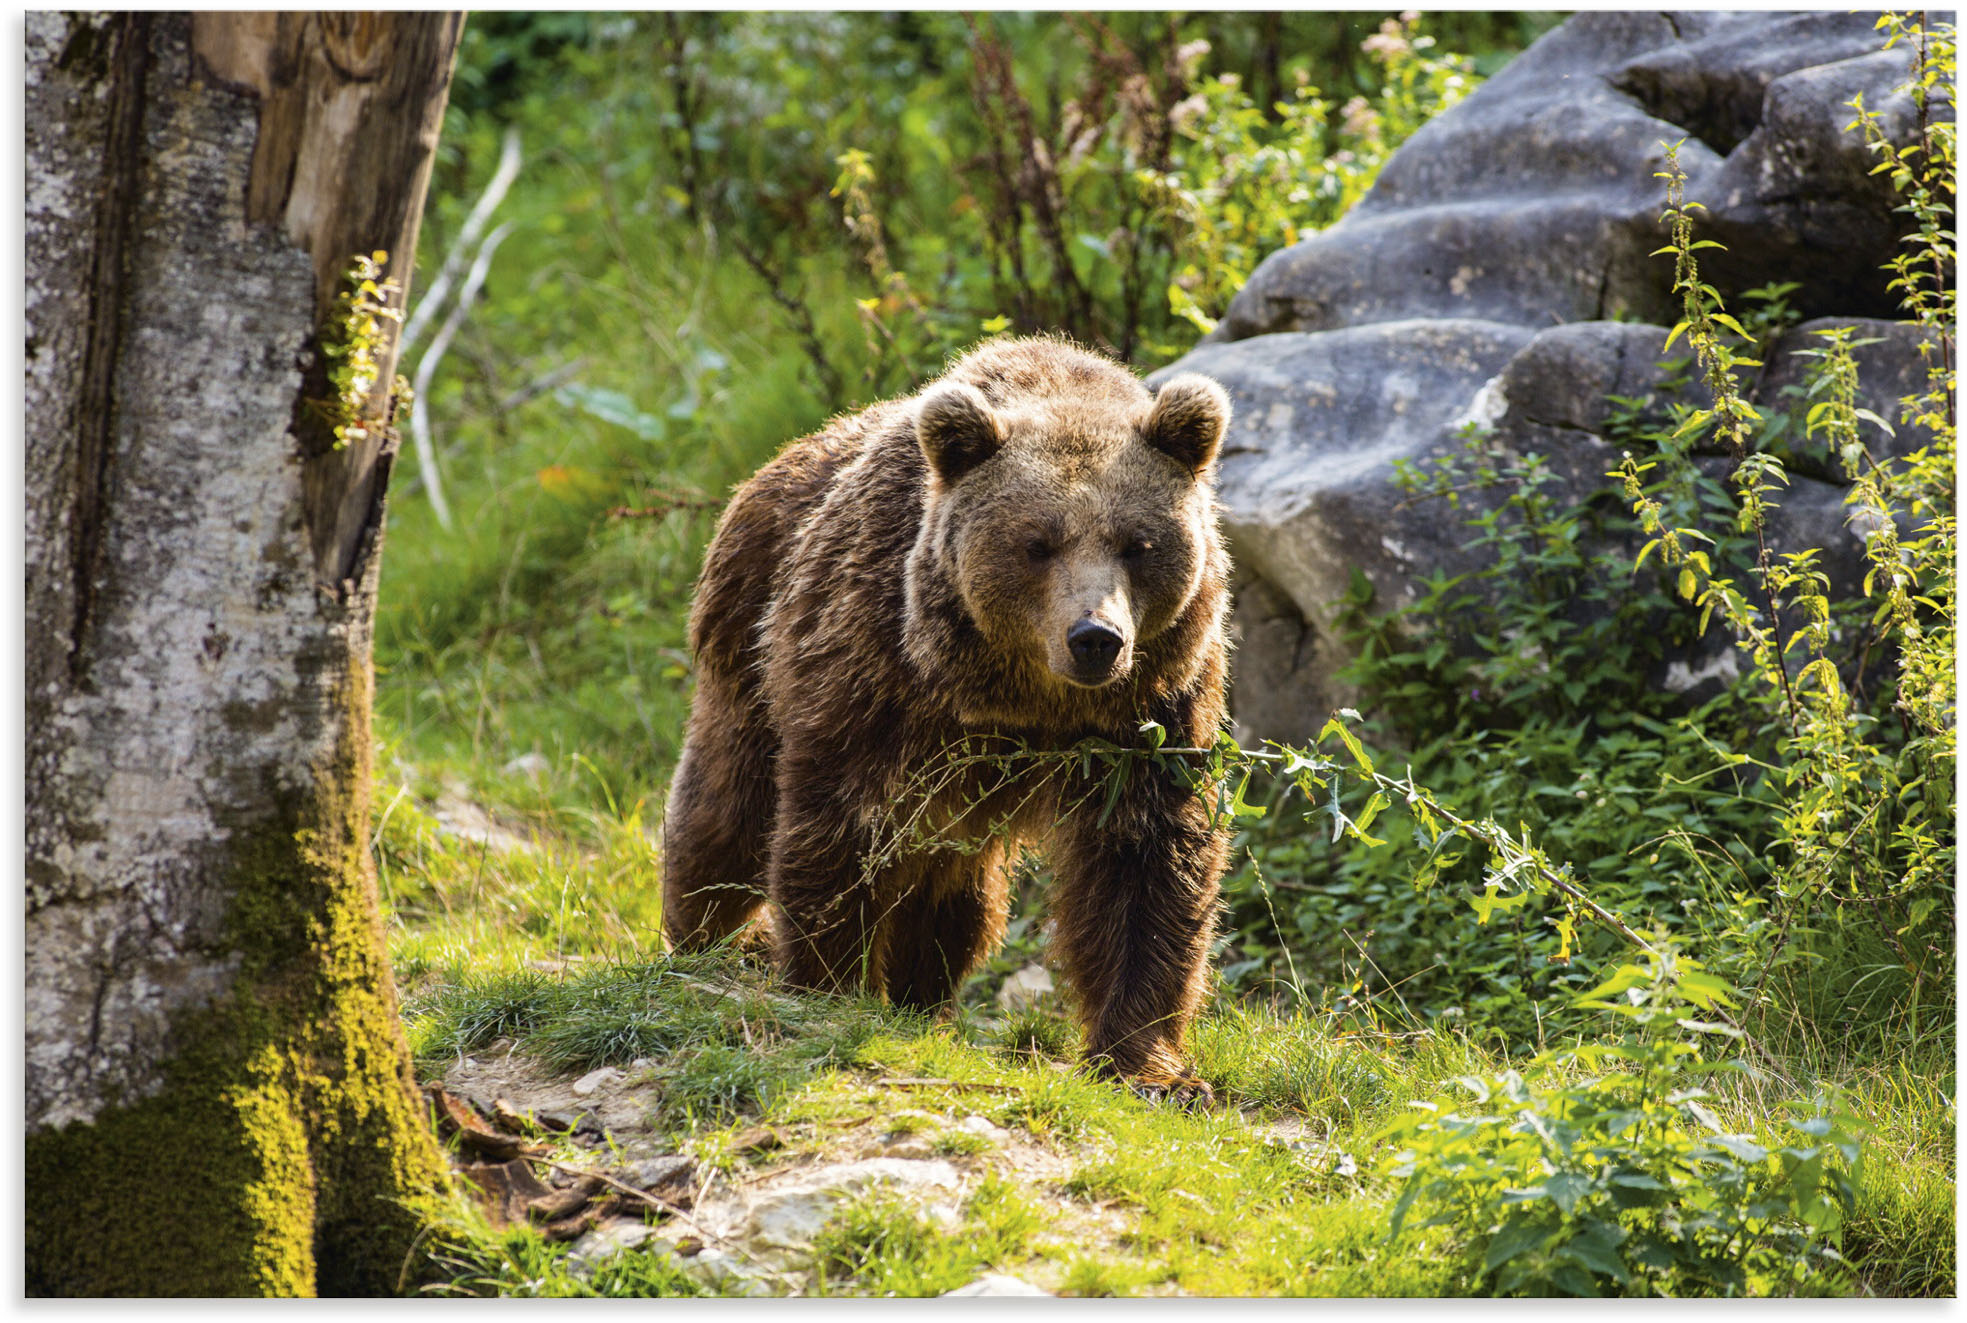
(673, 1210)
(666, 503)
(1480, 484)
(925, 1083)
(540, 385)
(802, 317)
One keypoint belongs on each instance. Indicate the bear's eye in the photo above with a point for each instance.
(1038, 549)
(1136, 548)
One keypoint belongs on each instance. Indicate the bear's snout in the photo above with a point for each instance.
(1096, 649)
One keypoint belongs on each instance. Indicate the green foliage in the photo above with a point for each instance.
(888, 1248)
(1245, 180)
(1621, 1178)
(1866, 809)
(1528, 693)
(1150, 177)
(478, 1260)
(468, 903)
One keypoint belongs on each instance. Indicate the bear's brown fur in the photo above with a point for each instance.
(1027, 549)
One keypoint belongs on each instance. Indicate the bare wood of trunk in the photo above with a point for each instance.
(217, 1088)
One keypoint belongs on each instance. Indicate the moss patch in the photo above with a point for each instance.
(281, 1151)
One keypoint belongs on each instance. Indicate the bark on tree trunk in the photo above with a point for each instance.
(218, 1094)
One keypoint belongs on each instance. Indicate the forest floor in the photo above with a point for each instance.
(638, 1124)
(860, 1152)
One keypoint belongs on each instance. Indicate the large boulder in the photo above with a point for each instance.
(1501, 275)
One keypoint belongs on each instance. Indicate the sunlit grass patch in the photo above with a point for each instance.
(884, 1247)
(715, 1039)
(461, 904)
(1313, 1068)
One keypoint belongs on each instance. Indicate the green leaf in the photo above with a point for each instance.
(1239, 807)
(1566, 1188)
(1116, 782)
(1401, 1207)
(1705, 990)
(1625, 976)
(1351, 742)
(1710, 1027)
(1742, 1147)
(1516, 1236)
(1649, 1251)
(1575, 1280)
(1597, 1249)
(1638, 1180)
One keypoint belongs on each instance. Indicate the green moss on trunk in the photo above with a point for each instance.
(280, 1152)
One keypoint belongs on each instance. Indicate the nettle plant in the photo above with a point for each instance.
(1865, 813)
(1605, 1168)
(1528, 691)
(1812, 794)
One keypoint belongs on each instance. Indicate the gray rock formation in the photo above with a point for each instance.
(1500, 273)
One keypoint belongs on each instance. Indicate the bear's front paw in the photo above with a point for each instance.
(1191, 1093)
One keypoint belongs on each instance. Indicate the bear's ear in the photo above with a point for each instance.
(956, 430)
(1187, 422)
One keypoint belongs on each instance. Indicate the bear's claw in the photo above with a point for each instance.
(1191, 1093)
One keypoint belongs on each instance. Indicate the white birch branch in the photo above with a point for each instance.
(474, 225)
(427, 367)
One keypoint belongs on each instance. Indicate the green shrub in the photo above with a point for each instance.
(1607, 1170)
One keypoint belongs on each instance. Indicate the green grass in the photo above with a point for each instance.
(462, 906)
(1282, 1191)
(726, 1043)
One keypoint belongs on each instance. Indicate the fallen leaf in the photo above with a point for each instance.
(505, 1189)
(457, 1117)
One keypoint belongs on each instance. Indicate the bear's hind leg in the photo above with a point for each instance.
(937, 935)
(716, 829)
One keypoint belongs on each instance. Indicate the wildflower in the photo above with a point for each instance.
(1389, 43)
(1186, 111)
(1359, 117)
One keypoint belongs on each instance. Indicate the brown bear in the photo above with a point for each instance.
(1024, 552)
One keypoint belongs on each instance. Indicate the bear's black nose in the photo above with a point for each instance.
(1093, 645)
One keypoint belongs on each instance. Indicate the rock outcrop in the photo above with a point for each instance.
(1501, 273)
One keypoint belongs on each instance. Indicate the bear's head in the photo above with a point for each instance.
(1071, 511)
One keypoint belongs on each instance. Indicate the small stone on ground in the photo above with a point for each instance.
(1025, 988)
(595, 1079)
(608, 1239)
(992, 1283)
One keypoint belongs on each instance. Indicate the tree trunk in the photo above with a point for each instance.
(218, 1095)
